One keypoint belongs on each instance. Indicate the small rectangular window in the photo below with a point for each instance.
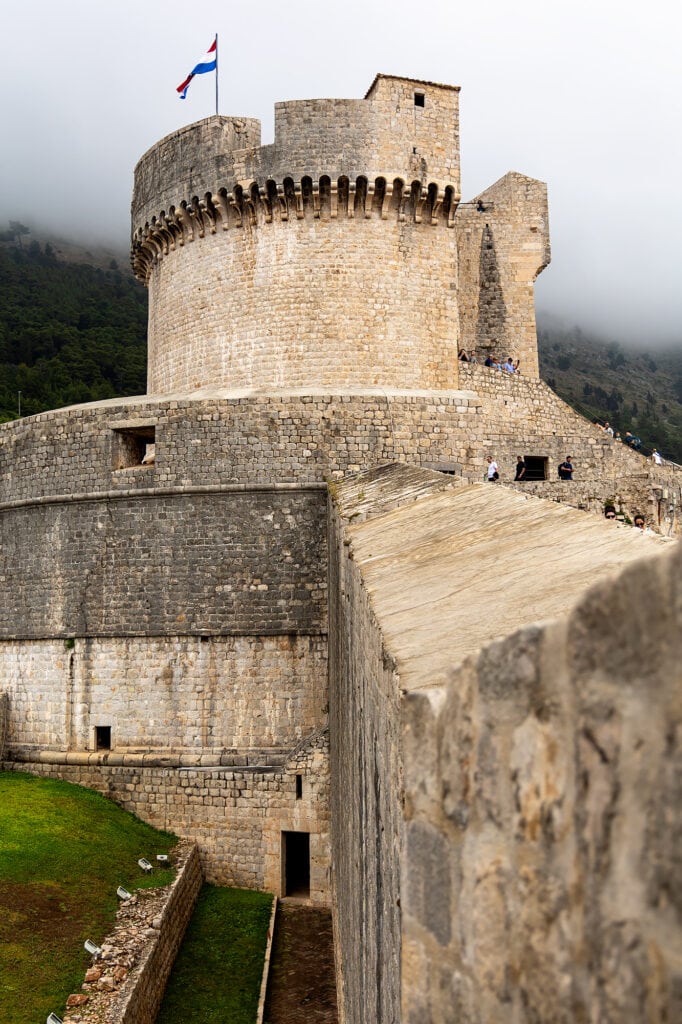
(102, 737)
(299, 787)
(133, 446)
(419, 99)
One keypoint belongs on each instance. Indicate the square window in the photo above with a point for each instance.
(133, 446)
(419, 99)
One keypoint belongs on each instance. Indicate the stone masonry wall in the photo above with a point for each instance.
(235, 815)
(174, 695)
(294, 303)
(542, 879)
(365, 799)
(502, 250)
(232, 563)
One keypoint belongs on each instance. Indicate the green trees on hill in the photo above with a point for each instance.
(69, 332)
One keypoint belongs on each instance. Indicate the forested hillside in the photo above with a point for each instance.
(69, 332)
(634, 388)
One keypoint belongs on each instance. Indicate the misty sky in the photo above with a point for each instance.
(583, 95)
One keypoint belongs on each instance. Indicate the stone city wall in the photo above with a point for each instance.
(126, 984)
(235, 815)
(543, 819)
(227, 443)
(242, 562)
(525, 417)
(232, 443)
(366, 799)
(201, 696)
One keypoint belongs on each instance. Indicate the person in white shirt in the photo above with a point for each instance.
(493, 470)
(657, 457)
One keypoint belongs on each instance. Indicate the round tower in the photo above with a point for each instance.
(326, 259)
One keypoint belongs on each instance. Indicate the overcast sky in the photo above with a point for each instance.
(583, 95)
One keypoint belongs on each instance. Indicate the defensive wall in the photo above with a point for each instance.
(166, 576)
(507, 817)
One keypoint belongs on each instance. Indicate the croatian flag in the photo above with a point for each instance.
(209, 63)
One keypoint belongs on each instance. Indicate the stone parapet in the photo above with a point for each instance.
(127, 981)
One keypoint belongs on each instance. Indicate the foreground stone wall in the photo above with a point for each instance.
(542, 879)
(365, 799)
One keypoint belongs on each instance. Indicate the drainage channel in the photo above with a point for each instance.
(302, 982)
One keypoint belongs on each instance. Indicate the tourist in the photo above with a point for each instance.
(509, 365)
(639, 522)
(493, 470)
(609, 512)
(656, 457)
(489, 361)
(608, 429)
(463, 355)
(473, 358)
(521, 468)
(566, 469)
(480, 208)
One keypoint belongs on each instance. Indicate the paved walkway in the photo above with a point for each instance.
(302, 985)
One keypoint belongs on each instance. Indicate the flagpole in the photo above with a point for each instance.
(216, 73)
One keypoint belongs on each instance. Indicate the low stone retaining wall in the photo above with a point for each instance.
(126, 982)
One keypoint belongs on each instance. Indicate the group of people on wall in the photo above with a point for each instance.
(564, 472)
(508, 364)
(629, 439)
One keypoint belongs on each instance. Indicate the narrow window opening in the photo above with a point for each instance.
(296, 866)
(536, 467)
(419, 99)
(299, 787)
(102, 737)
(133, 446)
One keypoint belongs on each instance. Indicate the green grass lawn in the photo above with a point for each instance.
(217, 975)
(63, 852)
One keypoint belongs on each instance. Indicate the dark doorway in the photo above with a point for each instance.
(536, 467)
(102, 737)
(296, 866)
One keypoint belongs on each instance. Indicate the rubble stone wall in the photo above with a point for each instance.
(366, 800)
(542, 879)
(126, 986)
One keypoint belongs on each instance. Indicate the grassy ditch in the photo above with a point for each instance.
(63, 852)
(217, 975)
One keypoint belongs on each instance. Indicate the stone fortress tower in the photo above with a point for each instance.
(338, 256)
(189, 633)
